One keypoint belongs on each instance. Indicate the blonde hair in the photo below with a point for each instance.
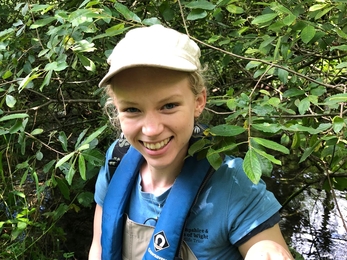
(196, 79)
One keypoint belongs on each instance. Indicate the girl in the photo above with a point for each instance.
(161, 203)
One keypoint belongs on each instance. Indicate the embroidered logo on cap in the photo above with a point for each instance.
(160, 241)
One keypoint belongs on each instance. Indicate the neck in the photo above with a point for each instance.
(157, 181)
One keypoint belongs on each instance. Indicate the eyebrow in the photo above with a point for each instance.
(164, 100)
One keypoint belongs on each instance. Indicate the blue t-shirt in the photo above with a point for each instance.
(228, 208)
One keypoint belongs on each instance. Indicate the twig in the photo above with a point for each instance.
(281, 116)
(49, 102)
(257, 60)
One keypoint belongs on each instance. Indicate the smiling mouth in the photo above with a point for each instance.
(156, 146)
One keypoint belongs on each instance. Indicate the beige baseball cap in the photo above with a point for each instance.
(154, 46)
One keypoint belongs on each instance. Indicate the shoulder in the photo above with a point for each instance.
(231, 171)
(103, 179)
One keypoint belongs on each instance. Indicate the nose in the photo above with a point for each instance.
(152, 124)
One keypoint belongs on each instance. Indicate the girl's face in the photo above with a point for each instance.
(156, 109)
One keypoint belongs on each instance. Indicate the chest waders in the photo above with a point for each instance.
(166, 238)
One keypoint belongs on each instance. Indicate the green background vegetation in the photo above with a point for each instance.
(277, 82)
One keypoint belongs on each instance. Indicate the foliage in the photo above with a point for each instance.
(276, 73)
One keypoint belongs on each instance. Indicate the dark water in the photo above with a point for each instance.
(311, 220)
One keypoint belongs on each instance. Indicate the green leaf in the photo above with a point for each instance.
(115, 30)
(308, 151)
(31, 76)
(83, 147)
(266, 166)
(289, 19)
(87, 63)
(37, 131)
(42, 22)
(311, 130)
(342, 65)
(340, 47)
(64, 159)
(18, 193)
(293, 92)
(280, 8)
(340, 183)
(10, 101)
(267, 128)
(94, 135)
(318, 91)
(7, 74)
(317, 7)
(271, 145)
(307, 34)
(214, 158)
(200, 4)
(37, 7)
(82, 166)
(47, 79)
(85, 198)
(252, 64)
(322, 13)
(151, 21)
(227, 148)
(63, 140)
(127, 14)
(94, 157)
(340, 33)
(197, 146)
(337, 98)
(338, 124)
(196, 14)
(39, 155)
(266, 42)
(251, 166)
(63, 187)
(80, 137)
(227, 130)
(70, 174)
(264, 18)
(83, 46)
(304, 105)
(269, 157)
(283, 75)
(56, 66)
(59, 212)
(235, 9)
(48, 166)
(14, 116)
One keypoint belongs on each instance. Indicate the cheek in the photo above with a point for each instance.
(129, 127)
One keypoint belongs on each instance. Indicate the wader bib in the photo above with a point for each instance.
(136, 238)
(165, 240)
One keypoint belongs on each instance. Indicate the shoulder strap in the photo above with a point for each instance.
(119, 150)
(166, 237)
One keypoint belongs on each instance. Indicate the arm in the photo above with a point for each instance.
(95, 249)
(266, 245)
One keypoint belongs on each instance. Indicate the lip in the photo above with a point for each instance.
(155, 146)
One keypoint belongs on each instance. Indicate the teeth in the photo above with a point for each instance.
(156, 146)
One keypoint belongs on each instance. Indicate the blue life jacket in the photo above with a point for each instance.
(166, 238)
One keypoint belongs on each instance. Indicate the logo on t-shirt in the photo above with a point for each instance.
(160, 241)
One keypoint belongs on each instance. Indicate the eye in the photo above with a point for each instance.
(170, 106)
(131, 110)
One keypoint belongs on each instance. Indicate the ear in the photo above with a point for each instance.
(200, 102)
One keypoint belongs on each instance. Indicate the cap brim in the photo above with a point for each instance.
(173, 63)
